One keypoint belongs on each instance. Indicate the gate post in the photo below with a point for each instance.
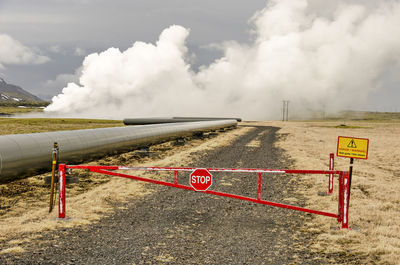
(175, 177)
(345, 204)
(259, 186)
(61, 189)
(340, 200)
(331, 167)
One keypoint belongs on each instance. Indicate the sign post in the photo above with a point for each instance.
(352, 147)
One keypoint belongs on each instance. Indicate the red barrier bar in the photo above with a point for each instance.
(340, 200)
(61, 189)
(331, 167)
(242, 170)
(259, 186)
(296, 208)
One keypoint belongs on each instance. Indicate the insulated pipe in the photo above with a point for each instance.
(142, 121)
(206, 118)
(27, 154)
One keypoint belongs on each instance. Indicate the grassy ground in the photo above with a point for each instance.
(10, 110)
(35, 125)
(365, 116)
(375, 201)
(351, 116)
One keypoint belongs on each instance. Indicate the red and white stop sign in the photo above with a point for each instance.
(200, 179)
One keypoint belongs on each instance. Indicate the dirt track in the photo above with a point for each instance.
(182, 227)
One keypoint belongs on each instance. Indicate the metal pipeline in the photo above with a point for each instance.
(142, 121)
(26, 154)
(206, 118)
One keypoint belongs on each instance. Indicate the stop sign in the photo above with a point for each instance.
(200, 179)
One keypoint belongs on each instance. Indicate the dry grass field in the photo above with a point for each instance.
(374, 212)
(35, 125)
(10, 110)
(16, 108)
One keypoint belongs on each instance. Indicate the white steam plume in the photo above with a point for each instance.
(297, 54)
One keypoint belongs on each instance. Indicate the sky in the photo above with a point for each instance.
(65, 31)
(44, 44)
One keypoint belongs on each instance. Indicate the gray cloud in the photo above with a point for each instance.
(14, 52)
(95, 25)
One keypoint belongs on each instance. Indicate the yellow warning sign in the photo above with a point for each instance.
(352, 147)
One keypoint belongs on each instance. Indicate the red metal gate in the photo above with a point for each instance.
(343, 202)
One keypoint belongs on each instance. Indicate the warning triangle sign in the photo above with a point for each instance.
(352, 144)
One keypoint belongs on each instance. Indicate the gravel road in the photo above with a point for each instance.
(175, 226)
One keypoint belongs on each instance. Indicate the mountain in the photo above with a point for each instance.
(13, 94)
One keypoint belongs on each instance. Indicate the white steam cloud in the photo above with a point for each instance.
(315, 61)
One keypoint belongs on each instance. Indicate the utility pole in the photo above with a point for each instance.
(285, 110)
